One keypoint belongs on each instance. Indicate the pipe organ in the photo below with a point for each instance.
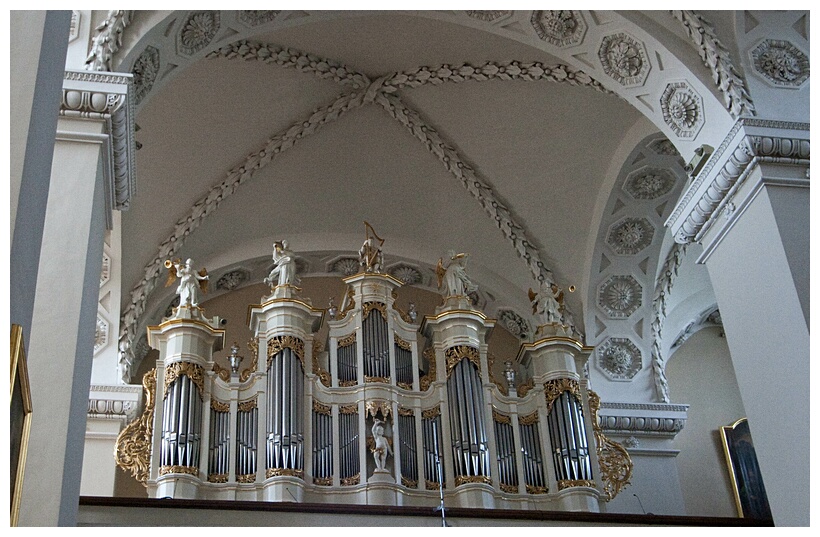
(392, 413)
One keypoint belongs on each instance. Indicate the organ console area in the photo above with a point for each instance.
(372, 414)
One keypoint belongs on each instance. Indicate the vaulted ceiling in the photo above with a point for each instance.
(442, 135)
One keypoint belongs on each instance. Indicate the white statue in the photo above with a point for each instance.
(454, 276)
(547, 303)
(284, 269)
(381, 448)
(371, 258)
(189, 281)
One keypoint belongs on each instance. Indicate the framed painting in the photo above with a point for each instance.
(20, 419)
(744, 471)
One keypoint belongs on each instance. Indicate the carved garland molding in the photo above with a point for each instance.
(663, 287)
(108, 40)
(376, 91)
(735, 96)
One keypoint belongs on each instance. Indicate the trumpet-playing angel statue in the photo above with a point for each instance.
(454, 276)
(190, 281)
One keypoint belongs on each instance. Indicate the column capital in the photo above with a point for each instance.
(749, 142)
(107, 98)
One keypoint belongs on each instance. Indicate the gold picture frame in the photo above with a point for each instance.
(20, 418)
(744, 471)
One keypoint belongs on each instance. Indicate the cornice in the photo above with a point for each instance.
(749, 141)
(640, 419)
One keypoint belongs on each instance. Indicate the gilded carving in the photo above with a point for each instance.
(529, 419)
(192, 371)
(409, 483)
(246, 406)
(346, 341)
(323, 481)
(176, 469)
(455, 354)
(525, 387)
(371, 408)
(428, 378)
(400, 343)
(383, 380)
(464, 479)
(349, 481)
(253, 345)
(405, 385)
(532, 489)
(431, 413)
(347, 383)
(323, 374)
(217, 478)
(132, 451)
(279, 343)
(433, 485)
(246, 478)
(320, 408)
(614, 460)
(349, 409)
(500, 385)
(554, 388)
(568, 483)
(221, 372)
(498, 417)
(219, 406)
(406, 411)
(367, 307)
(289, 472)
(510, 489)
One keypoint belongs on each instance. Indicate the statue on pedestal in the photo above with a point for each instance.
(284, 270)
(454, 276)
(381, 448)
(547, 303)
(371, 258)
(189, 281)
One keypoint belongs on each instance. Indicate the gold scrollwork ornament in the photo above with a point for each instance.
(132, 451)
(614, 460)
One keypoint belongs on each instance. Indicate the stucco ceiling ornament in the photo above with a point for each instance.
(619, 358)
(100, 334)
(108, 40)
(619, 296)
(624, 59)
(682, 109)
(649, 183)
(378, 91)
(780, 63)
(256, 17)
(405, 273)
(197, 31)
(514, 323)
(560, 28)
(105, 272)
(145, 71)
(489, 15)
(664, 147)
(232, 280)
(347, 266)
(715, 56)
(630, 235)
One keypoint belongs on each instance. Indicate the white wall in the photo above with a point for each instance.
(700, 374)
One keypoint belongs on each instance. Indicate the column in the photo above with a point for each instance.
(96, 117)
(749, 208)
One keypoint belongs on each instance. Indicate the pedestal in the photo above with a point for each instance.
(381, 488)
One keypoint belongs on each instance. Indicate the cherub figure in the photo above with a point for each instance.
(454, 276)
(284, 269)
(381, 447)
(189, 281)
(548, 302)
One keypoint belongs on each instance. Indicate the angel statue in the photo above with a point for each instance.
(548, 302)
(371, 258)
(381, 448)
(455, 276)
(284, 269)
(189, 281)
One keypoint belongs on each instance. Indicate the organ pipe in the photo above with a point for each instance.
(285, 431)
(469, 437)
(181, 424)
